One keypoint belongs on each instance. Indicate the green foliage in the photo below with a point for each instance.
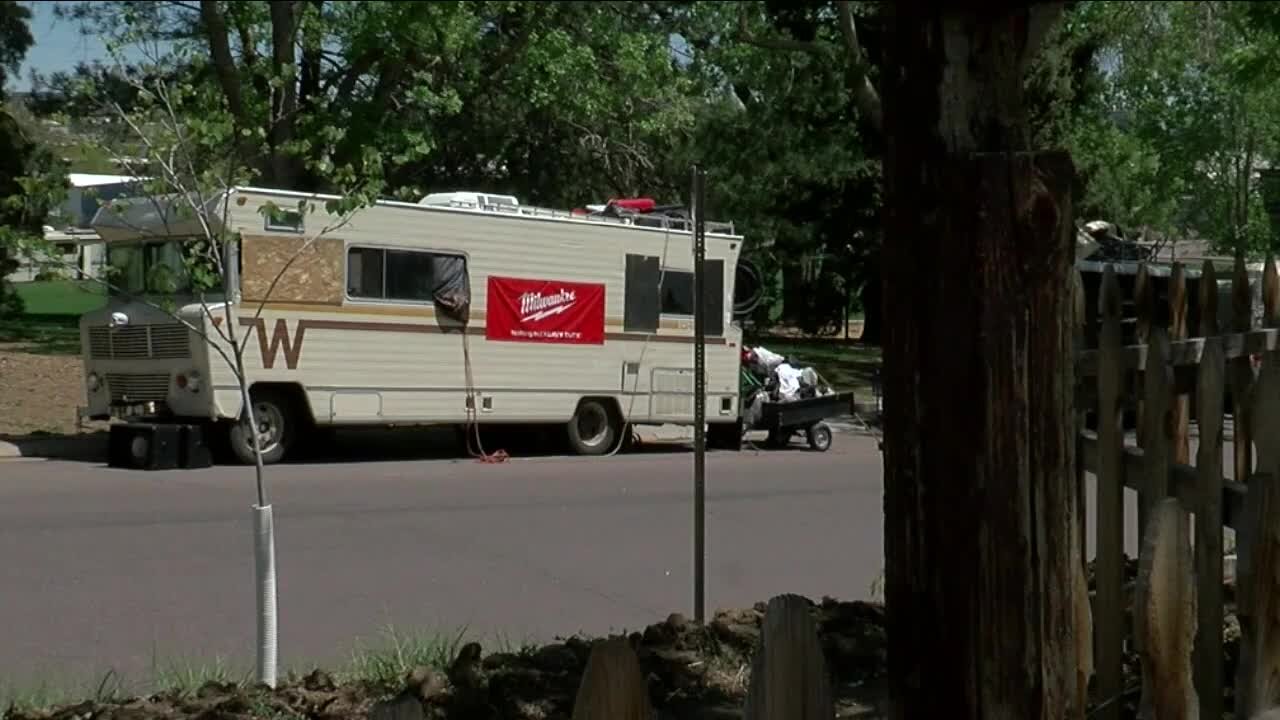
(1187, 115)
(22, 203)
(787, 157)
(15, 37)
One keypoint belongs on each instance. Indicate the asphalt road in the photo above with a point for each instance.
(105, 569)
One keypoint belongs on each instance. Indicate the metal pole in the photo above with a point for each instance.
(699, 397)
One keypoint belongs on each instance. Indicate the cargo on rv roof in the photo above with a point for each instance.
(468, 199)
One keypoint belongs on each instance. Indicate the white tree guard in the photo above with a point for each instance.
(264, 547)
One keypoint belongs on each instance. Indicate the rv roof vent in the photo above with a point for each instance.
(477, 200)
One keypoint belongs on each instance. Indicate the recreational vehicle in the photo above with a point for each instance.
(455, 310)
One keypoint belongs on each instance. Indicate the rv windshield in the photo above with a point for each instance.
(155, 268)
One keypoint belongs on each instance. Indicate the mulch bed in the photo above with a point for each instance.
(693, 672)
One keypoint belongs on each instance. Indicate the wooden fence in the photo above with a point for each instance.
(1178, 604)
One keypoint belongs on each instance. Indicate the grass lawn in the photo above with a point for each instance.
(61, 297)
(50, 324)
(846, 364)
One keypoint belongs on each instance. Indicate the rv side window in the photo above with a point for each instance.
(364, 273)
(379, 274)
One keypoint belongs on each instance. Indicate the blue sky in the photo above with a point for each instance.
(58, 45)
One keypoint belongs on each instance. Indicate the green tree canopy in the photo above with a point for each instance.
(1186, 118)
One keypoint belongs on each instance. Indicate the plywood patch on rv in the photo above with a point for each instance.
(315, 277)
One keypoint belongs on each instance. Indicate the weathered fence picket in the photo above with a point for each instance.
(1209, 521)
(613, 687)
(1165, 600)
(1180, 418)
(1079, 319)
(789, 678)
(1108, 613)
(1144, 305)
(1241, 373)
(1258, 558)
(1157, 448)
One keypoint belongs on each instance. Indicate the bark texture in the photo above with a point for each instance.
(980, 497)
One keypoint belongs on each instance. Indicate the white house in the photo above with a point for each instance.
(69, 226)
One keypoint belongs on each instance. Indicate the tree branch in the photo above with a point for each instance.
(224, 65)
(779, 43)
(865, 95)
(309, 84)
(362, 65)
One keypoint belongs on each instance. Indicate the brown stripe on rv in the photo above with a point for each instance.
(292, 347)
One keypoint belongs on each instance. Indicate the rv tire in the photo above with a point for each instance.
(724, 436)
(594, 428)
(277, 426)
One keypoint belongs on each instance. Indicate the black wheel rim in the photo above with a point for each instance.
(592, 425)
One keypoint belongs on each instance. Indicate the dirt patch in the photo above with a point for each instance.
(40, 393)
(693, 672)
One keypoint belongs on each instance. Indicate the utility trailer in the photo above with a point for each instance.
(783, 419)
(786, 418)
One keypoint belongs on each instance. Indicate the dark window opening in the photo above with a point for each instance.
(651, 292)
(677, 292)
(409, 276)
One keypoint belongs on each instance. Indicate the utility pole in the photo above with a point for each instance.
(699, 397)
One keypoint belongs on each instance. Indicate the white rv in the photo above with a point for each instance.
(448, 311)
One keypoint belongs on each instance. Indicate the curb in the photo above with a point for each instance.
(83, 447)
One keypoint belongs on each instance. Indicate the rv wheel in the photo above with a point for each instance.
(593, 429)
(274, 417)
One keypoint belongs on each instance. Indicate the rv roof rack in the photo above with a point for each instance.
(649, 220)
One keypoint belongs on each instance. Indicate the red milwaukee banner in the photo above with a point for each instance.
(550, 311)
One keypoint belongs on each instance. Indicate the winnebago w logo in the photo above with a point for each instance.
(536, 306)
(279, 339)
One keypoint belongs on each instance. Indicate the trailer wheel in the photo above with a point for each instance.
(594, 428)
(819, 436)
(277, 427)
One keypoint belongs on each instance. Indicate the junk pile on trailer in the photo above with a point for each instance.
(784, 397)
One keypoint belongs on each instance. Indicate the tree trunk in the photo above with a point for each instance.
(284, 164)
(871, 297)
(979, 460)
(224, 64)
